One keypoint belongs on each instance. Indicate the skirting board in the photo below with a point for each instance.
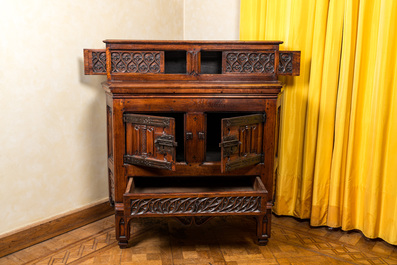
(56, 226)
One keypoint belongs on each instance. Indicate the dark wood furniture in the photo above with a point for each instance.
(191, 128)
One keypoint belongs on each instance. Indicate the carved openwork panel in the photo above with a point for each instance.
(195, 205)
(289, 63)
(241, 144)
(94, 61)
(142, 62)
(99, 62)
(285, 63)
(245, 62)
(150, 141)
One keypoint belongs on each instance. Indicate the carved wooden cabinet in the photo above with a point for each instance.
(191, 128)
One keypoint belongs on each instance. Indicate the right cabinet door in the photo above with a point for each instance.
(241, 144)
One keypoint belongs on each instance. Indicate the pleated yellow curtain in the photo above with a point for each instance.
(338, 137)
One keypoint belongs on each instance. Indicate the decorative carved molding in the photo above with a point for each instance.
(249, 62)
(136, 62)
(147, 120)
(141, 161)
(195, 205)
(99, 62)
(285, 63)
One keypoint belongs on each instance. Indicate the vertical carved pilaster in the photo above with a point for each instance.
(261, 229)
(122, 231)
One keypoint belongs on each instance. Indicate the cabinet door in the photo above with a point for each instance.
(241, 144)
(150, 141)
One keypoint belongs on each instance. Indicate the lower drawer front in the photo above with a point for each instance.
(201, 196)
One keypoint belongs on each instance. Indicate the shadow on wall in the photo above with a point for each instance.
(95, 134)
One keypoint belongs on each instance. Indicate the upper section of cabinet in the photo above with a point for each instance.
(191, 60)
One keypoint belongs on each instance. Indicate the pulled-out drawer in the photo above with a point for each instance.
(194, 196)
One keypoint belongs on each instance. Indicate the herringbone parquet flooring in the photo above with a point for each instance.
(229, 241)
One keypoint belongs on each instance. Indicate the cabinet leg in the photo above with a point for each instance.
(122, 231)
(263, 229)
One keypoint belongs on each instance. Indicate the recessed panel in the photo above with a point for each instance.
(175, 62)
(211, 62)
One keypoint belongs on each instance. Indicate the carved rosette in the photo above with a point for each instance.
(285, 63)
(99, 62)
(195, 205)
(136, 62)
(249, 62)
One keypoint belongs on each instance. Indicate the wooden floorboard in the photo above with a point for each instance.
(223, 240)
(53, 227)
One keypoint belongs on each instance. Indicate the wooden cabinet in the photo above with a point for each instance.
(191, 128)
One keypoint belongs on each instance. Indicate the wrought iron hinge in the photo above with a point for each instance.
(147, 120)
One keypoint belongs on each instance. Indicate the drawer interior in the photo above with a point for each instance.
(204, 184)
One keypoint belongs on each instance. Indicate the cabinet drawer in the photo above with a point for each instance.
(201, 196)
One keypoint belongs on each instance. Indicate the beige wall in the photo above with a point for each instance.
(52, 136)
(212, 19)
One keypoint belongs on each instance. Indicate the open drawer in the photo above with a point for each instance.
(189, 196)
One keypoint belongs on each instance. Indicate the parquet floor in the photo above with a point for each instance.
(229, 241)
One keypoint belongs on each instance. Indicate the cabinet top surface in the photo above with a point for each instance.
(176, 60)
(192, 42)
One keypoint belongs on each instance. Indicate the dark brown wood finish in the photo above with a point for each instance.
(195, 136)
(191, 127)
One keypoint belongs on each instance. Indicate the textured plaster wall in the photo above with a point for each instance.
(52, 122)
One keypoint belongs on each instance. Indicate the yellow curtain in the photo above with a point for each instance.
(338, 136)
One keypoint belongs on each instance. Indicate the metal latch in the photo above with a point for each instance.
(230, 145)
(201, 135)
(189, 135)
(165, 144)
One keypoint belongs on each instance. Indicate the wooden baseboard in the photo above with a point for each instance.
(27, 237)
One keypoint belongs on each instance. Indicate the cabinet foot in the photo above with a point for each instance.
(123, 243)
(263, 228)
(122, 231)
(262, 241)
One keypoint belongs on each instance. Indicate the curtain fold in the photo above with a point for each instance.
(337, 162)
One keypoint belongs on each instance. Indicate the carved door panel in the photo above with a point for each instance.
(241, 144)
(150, 141)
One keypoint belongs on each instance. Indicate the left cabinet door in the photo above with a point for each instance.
(150, 141)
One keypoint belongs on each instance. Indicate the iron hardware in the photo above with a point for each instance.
(165, 144)
(189, 135)
(201, 135)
